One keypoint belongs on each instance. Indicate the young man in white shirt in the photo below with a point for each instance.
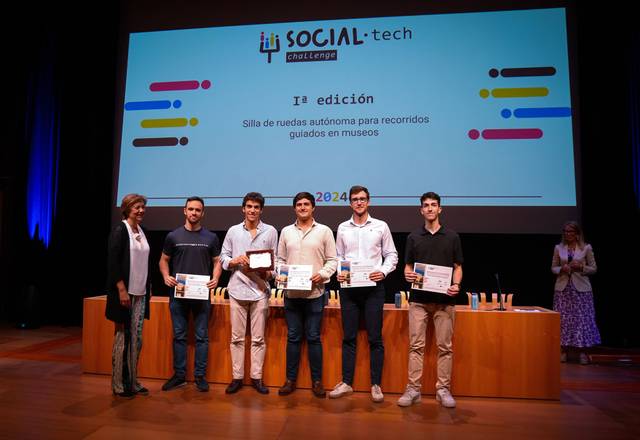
(248, 290)
(363, 238)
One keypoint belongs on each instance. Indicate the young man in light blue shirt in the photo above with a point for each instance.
(248, 290)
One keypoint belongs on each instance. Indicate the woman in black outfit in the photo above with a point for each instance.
(128, 294)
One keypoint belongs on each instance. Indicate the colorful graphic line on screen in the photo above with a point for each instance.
(160, 142)
(522, 71)
(519, 92)
(178, 85)
(515, 92)
(168, 122)
(506, 133)
(537, 112)
(165, 104)
(152, 105)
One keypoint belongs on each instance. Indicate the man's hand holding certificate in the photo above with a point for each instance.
(260, 260)
(356, 273)
(294, 276)
(432, 278)
(191, 286)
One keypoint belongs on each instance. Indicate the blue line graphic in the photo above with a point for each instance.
(147, 105)
(543, 112)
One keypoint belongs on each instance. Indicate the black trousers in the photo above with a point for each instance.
(370, 302)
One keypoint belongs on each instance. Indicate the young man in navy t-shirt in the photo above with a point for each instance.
(190, 249)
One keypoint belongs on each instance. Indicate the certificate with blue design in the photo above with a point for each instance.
(356, 273)
(432, 278)
(192, 286)
(294, 276)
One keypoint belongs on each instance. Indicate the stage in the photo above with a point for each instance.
(45, 395)
(496, 354)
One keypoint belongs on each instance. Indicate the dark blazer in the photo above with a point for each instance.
(118, 269)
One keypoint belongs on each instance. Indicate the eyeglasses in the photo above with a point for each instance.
(359, 199)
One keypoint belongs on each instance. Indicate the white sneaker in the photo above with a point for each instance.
(409, 397)
(376, 394)
(584, 359)
(445, 398)
(340, 390)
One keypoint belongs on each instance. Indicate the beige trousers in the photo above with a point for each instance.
(443, 316)
(258, 312)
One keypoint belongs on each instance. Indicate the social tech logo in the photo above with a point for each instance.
(318, 38)
(269, 45)
(321, 38)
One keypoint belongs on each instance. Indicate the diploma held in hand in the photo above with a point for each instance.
(432, 278)
(260, 260)
(294, 276)
(356, 273)
(191, 286)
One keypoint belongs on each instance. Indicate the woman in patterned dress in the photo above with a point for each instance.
(573, 262)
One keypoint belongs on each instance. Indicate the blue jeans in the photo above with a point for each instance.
(369, 301)
(304, 317)
(180, 309)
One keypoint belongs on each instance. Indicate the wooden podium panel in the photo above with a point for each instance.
(496, 354)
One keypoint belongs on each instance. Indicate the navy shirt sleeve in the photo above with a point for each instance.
(214, 249)
(169, 245)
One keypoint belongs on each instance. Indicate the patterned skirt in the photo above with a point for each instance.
(577, 317)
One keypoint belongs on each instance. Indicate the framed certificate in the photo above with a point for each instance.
(356, 273)
(432, 278)
(191, 286)
(294, 276)
(260, 259)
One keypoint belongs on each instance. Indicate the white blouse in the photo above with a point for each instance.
(139, 261)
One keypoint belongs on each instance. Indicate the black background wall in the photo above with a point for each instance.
(83, 46)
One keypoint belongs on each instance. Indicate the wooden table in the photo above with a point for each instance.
(496, 354)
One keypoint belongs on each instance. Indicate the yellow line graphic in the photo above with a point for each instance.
(519, 92)
(164, 123)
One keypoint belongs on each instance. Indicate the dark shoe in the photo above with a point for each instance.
(259, 386)
(234, 386)
(288, 388)
(125, 394)
(202, 384)
(318, 389)
(174, 382)
(142, 391)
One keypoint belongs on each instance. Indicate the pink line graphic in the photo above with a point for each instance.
(512, 133)
(178, 85)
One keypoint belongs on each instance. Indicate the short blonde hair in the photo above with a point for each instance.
(576, 227)
(128, 201)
